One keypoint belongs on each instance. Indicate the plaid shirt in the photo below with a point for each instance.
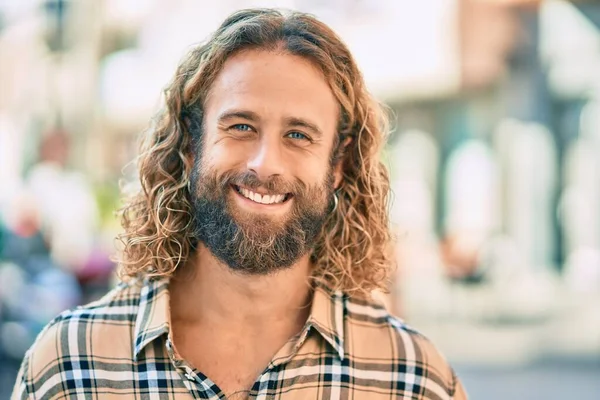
(120, 347)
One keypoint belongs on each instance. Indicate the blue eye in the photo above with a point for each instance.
(297, 135)
(242, 127)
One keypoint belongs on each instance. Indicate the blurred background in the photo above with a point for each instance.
(494, 159)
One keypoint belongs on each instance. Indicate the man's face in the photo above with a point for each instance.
(263, 181)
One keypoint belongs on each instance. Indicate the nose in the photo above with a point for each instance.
(267, 160)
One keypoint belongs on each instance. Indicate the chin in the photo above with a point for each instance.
(260, 225)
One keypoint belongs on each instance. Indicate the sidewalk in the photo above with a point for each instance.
(538, 343)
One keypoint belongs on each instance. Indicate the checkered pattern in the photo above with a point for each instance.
(120, 347)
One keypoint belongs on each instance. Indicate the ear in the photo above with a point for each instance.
(338, 175)
(338, 172)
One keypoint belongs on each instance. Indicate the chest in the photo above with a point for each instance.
(232, 362)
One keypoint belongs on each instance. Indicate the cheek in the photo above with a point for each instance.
(313, 172)
(222, 156)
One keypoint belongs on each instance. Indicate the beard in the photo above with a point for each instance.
(252, 243)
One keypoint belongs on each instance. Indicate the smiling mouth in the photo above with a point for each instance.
(267, 199)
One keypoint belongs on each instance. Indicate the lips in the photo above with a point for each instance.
(267, 199)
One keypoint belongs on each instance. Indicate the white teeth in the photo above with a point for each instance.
(263, 199)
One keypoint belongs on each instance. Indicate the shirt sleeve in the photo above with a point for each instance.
(25, 385)
(20, 391)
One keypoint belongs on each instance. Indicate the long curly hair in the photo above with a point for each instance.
(353, 249)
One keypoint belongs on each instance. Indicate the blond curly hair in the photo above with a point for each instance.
(352, 252)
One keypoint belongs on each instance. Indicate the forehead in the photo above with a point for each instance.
(274, 84)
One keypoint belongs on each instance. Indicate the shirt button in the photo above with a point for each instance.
(191, 378)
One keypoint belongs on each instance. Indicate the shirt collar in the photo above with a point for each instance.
(153, 314)
(326, 316)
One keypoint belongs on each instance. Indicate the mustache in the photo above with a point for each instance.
(250, 180)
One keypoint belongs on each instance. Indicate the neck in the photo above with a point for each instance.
(205, 291)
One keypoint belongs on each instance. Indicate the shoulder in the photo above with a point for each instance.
(96, 330)
(114, 313)
(375, 334)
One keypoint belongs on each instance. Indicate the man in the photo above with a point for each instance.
(252, 248)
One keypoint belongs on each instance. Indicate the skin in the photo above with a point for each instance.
(273, 114)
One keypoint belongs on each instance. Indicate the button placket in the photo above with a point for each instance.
(189, 374)
(192, 381)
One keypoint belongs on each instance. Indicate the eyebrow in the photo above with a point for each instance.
(244, 114)
(252, 116)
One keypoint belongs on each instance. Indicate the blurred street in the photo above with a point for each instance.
(545, 380)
